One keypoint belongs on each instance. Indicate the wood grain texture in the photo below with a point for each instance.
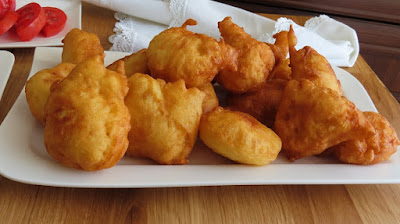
(18, 76)
(382, 201)
(380, 10)
(231, 204)
(385, 63)
(100, 22)
(21, 203)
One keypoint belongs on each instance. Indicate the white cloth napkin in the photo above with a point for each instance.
(139, 21)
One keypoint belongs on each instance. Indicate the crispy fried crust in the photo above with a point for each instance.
(37, 89)
(165, 119)
(239, 137)
(359, 151)
(309, 64)
(80, 45)
(255, 60)
(281, 46)
(281, 71)
(311, 119)
(177, 53)
(261, 103)
(87, 122)
(210, 100)
(134, 63)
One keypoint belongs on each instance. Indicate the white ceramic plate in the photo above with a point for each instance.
(72, 9)
(6, 64)
(23, 156)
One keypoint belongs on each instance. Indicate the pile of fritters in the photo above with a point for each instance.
(302, 101)
(155, 102)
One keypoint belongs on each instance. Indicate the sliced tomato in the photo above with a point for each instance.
(55, 21)
(9, 19)
(11, 5)
(5, 6)
(31, 21)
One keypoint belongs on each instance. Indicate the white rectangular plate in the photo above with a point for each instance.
(6, 63)
(23, 156)
(72, 9)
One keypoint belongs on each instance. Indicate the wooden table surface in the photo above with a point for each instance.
(22, 203)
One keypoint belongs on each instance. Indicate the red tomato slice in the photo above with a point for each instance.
(5, 6)
(55, 21)
(9, 19)
(31, 21)
(11, 5)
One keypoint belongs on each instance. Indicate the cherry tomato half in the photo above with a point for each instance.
(9, 19)
(55, 21)
(5, 6)
(31, 21)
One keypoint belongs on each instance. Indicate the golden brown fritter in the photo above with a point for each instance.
(281, 71)
(359, 151)
(281, 46)
(255, 60)
(80, 45)
(311, 119)
(37, 89)
(210, 100)
(134, 63)
(87, 122)
(261, 103)
(177, 53)
(239, 137)
(309, 64)
(165, 119)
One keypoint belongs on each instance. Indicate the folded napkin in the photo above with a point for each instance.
(139, 21)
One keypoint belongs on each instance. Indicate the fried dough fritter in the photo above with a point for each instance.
(80, 45)
(255, 60)
(177, 53)
(309, 64)
(281, 71)
(134, 63)
(210, 100)
(87, 122)
(280, 47)
(37, 88)
(165, 119)
(239, 137)
(311, 119)
(262, 103)
(358, 151)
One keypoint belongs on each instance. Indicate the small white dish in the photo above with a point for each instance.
(72, 9)
(6, 64)
(23, 157)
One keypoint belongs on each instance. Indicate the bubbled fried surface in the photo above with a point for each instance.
(311, 119)
(210, 100)
(80, 45)
(87, 122)
(281, 70)
(239, 137)
(280, 47)
(37, 89)
(261, 103)
(134, 63)
(307, 63)
(359, 151)
(255, 59)
(177, 53)
(165, 119)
